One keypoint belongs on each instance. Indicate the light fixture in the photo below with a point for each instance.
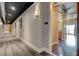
(37, 10)
(13, 8)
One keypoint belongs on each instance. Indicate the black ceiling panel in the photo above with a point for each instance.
(20, 8)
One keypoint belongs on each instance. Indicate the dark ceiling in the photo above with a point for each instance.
(19, 8)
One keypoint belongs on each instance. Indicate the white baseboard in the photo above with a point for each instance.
(32, 46)
(47, 50)
(39, 50)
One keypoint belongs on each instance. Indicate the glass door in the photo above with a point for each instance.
(70, 35)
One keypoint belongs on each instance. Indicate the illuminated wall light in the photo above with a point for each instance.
(37, 10)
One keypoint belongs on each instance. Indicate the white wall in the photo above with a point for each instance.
(45, 16)
(17, 29)
(34, 30)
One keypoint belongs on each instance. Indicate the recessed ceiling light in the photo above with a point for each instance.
(9, 14)
(13, 8)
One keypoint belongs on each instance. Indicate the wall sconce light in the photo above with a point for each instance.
(37, 10)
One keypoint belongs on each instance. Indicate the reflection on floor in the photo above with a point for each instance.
(11, 46)
(68, 47)
(55, 49)
(61, 45)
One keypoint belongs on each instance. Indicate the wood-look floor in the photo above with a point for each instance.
(12, 46)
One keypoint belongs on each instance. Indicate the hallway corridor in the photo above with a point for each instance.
(38, 29)
(12, 46)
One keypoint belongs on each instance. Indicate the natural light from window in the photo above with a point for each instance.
(70, 37)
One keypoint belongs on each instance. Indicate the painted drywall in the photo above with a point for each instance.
(32, 28)
(45, 16)
(35, 31)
